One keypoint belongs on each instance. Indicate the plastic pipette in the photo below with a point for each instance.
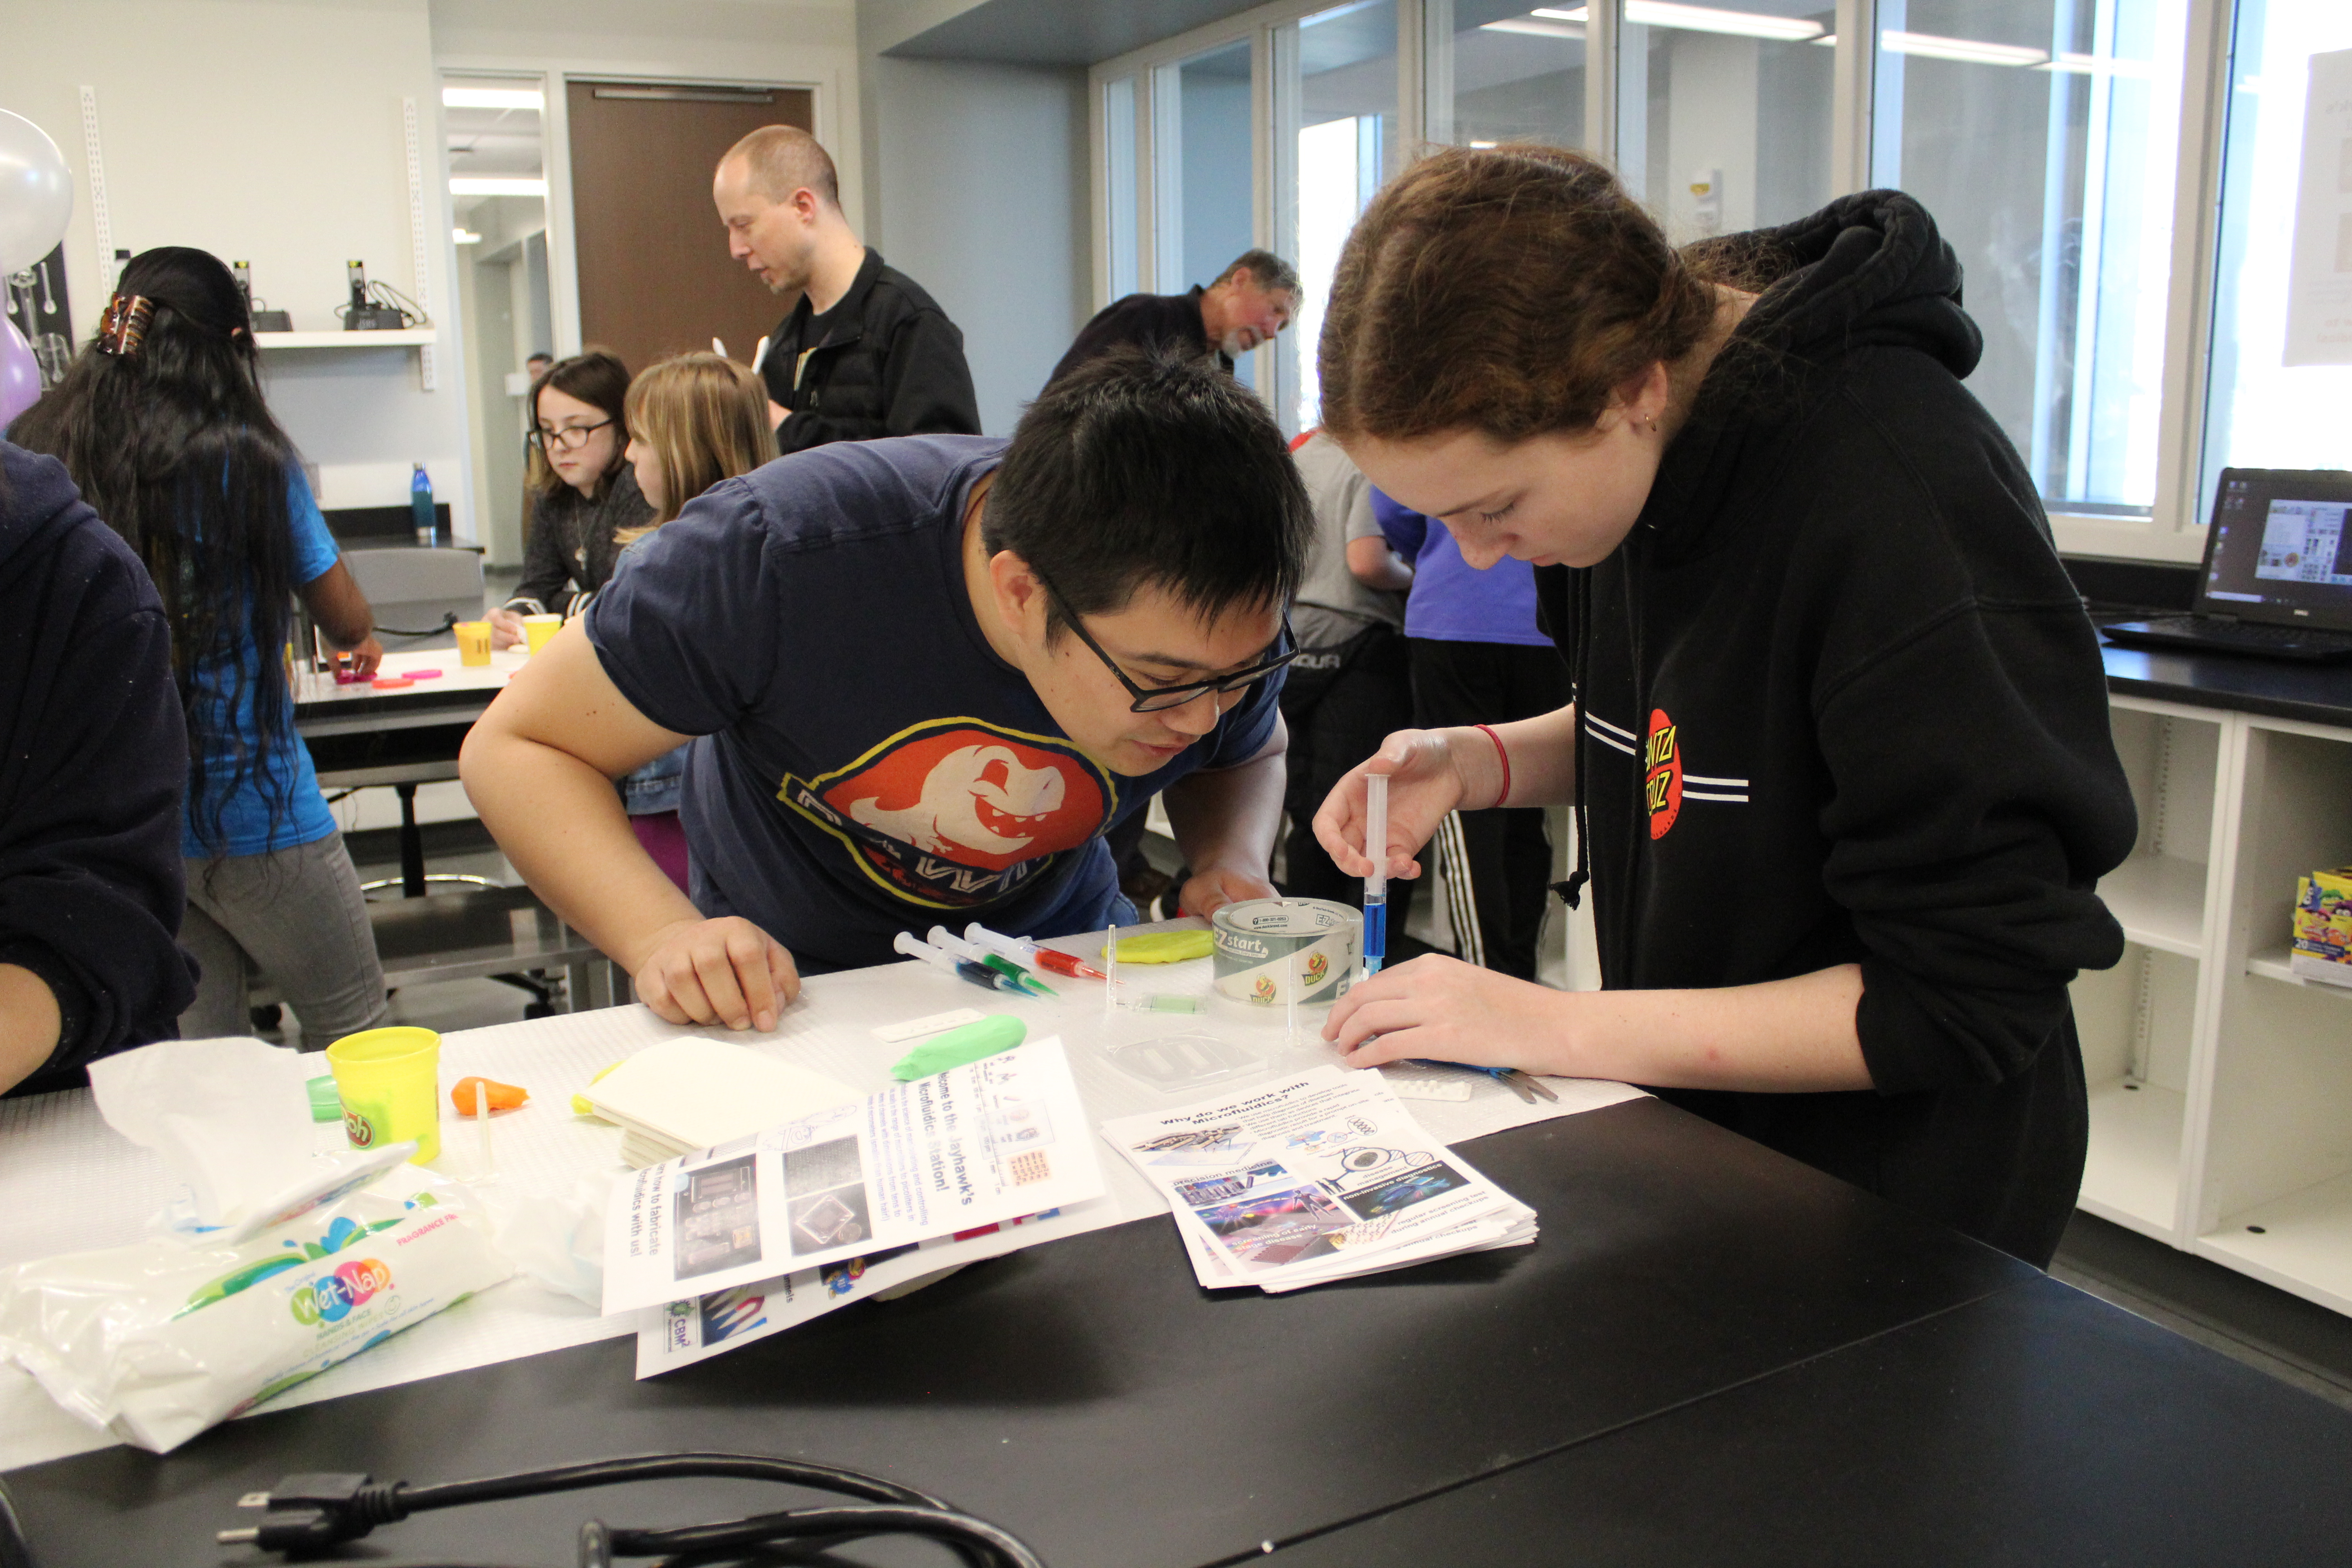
(946, 941)
(1376, 880)
(980, 974)
(1051, 959)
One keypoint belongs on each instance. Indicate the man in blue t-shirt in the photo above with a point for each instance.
(927, 674)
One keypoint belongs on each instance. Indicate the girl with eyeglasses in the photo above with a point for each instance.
(583, 493)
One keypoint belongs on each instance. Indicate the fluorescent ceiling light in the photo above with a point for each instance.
(1482, 143)
(2095, 65)
(529, 98)
(1967, 51)
(1534, 27)
(1707, 20)
(497, 186)
(464, 235)
(1690, 19)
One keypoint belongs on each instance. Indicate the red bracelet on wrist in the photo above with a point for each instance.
(1501, 755)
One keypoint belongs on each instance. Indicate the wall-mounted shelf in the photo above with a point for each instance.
(2275, 964)
(408, 338)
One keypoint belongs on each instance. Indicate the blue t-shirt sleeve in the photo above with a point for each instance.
(1242, 733)
(315, 551)
(1406, 529)
(688, 632)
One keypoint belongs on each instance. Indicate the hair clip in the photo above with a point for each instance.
(124, 325)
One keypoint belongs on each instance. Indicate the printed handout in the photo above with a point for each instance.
(991, 1141)
(1319, 1177)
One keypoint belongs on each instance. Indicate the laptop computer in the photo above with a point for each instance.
(2277, 577)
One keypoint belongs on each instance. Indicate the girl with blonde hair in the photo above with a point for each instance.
(693, 420)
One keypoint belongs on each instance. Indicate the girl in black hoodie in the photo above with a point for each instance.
(1840, 747)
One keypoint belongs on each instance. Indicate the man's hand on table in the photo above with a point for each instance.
(367, 657)
(507, 629)
(1206, 891)
(725, 971)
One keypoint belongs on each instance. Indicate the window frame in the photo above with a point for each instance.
(2175, 530)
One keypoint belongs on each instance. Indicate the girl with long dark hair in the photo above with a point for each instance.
(163, 427)
(583, 493)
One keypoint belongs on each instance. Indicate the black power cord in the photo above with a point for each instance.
(448, 618)
(308, 1513)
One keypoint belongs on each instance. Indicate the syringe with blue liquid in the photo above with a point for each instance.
(1376, 880)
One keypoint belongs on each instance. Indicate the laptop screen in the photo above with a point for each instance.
(2280, 548)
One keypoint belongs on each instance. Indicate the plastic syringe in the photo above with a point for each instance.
(979, 974)
(1023, 951)
(1376, 880)
(948, 942)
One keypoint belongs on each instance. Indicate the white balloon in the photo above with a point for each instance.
(36, 193)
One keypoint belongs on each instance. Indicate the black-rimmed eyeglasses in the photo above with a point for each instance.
(1159, 699)
(567, 439)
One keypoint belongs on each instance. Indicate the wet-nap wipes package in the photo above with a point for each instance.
(159, 1340)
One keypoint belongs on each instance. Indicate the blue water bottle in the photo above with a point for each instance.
(420, 506)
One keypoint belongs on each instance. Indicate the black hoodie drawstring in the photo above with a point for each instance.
(1571, 892)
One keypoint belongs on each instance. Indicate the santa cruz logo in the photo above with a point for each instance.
(1662, 783)
(329, 1298)
(958, 812)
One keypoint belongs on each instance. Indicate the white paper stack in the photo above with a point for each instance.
(692, 1093)
(799, 1208)
(1320, 1177)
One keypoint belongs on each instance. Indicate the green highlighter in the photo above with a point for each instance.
(999, 1032)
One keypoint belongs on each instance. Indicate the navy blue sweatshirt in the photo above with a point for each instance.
(1839, 704)
(94, 766)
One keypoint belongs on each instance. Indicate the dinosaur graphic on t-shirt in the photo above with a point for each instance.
(974, 798)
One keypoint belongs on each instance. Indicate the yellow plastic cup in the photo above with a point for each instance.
(391, 1083)
(539, 628)
(473, 642)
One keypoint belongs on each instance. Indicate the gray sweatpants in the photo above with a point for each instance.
(296, 915)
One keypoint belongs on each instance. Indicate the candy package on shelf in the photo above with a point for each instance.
(2322, 927)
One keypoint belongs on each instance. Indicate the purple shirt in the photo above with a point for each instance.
(1452, 600)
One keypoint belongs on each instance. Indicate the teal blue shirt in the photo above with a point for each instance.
(281, 771)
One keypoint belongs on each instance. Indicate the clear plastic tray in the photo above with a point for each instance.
(1175, 1063)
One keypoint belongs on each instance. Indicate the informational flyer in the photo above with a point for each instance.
(700, 1327)
(1319, 1177)
(989, 1141)
(2319, 275)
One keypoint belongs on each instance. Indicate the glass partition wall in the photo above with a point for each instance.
(1335, 99)
(2279, 393)
(2043, 135)
(2122, 180)
(1498, 72)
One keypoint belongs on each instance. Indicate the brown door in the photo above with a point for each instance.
(655, 276)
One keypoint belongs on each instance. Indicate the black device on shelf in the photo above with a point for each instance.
(2277, 576)
(265, 320)
(370, 311)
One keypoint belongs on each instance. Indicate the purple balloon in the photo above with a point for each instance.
(20, 373)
